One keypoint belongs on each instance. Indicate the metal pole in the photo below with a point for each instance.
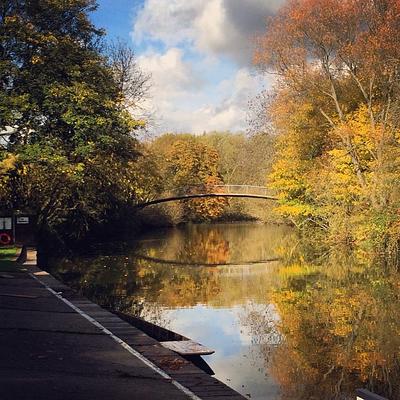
(13, 222)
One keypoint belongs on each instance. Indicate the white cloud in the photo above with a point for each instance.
(212, 29)
(231, 111)
(217, 27)
(189, 44)
(167, 20)
(169, 71)
(183, 101)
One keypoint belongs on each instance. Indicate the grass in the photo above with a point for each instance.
(7, 264)
(8, 252)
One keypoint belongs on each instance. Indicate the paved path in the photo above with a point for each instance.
(57, 345)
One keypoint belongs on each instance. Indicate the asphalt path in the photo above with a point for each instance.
(50, 351)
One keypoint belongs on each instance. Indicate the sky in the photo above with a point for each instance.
(199, 55)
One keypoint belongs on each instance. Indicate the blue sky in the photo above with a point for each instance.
(198, 53)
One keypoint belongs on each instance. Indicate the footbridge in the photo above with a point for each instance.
(205, 191)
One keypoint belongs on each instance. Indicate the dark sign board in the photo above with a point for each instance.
(17, 228)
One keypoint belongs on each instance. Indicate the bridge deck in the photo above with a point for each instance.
(205, 195)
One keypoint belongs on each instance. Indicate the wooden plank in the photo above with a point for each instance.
(187, 347)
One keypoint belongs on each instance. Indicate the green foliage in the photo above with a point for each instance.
(243, 160)
(70, 155)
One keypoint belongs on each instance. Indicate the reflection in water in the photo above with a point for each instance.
(213, 244)
(288, 329)
(341, 330)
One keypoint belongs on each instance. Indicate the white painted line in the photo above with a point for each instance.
(125, 345)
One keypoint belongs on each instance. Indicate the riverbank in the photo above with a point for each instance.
(58, 345)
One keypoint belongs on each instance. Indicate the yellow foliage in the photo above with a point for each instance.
(36, 60)
(8, 163)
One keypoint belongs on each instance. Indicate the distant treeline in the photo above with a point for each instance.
(178, 161)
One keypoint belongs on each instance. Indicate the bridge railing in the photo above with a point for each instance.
(244, 189)
(227, 189)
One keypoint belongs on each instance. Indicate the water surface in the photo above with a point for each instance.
(284, 324)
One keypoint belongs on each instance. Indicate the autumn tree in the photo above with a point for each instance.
(339, 59)
(243, 159)
(231, 158)
(192, 168)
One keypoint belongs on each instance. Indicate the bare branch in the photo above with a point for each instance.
(133, 83)
(326, 116)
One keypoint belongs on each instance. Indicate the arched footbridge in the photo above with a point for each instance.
(204, 191)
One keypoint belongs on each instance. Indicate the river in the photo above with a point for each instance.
(283, 324)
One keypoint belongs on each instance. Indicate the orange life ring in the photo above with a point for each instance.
(5, 238)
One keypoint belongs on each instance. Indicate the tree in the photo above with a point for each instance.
(193, 167)
(341, 59)
(243, 160)
(70, 135)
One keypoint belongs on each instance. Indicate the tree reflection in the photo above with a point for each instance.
(339, 331)
(209, 247)
(128, 282)
(220, 244)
